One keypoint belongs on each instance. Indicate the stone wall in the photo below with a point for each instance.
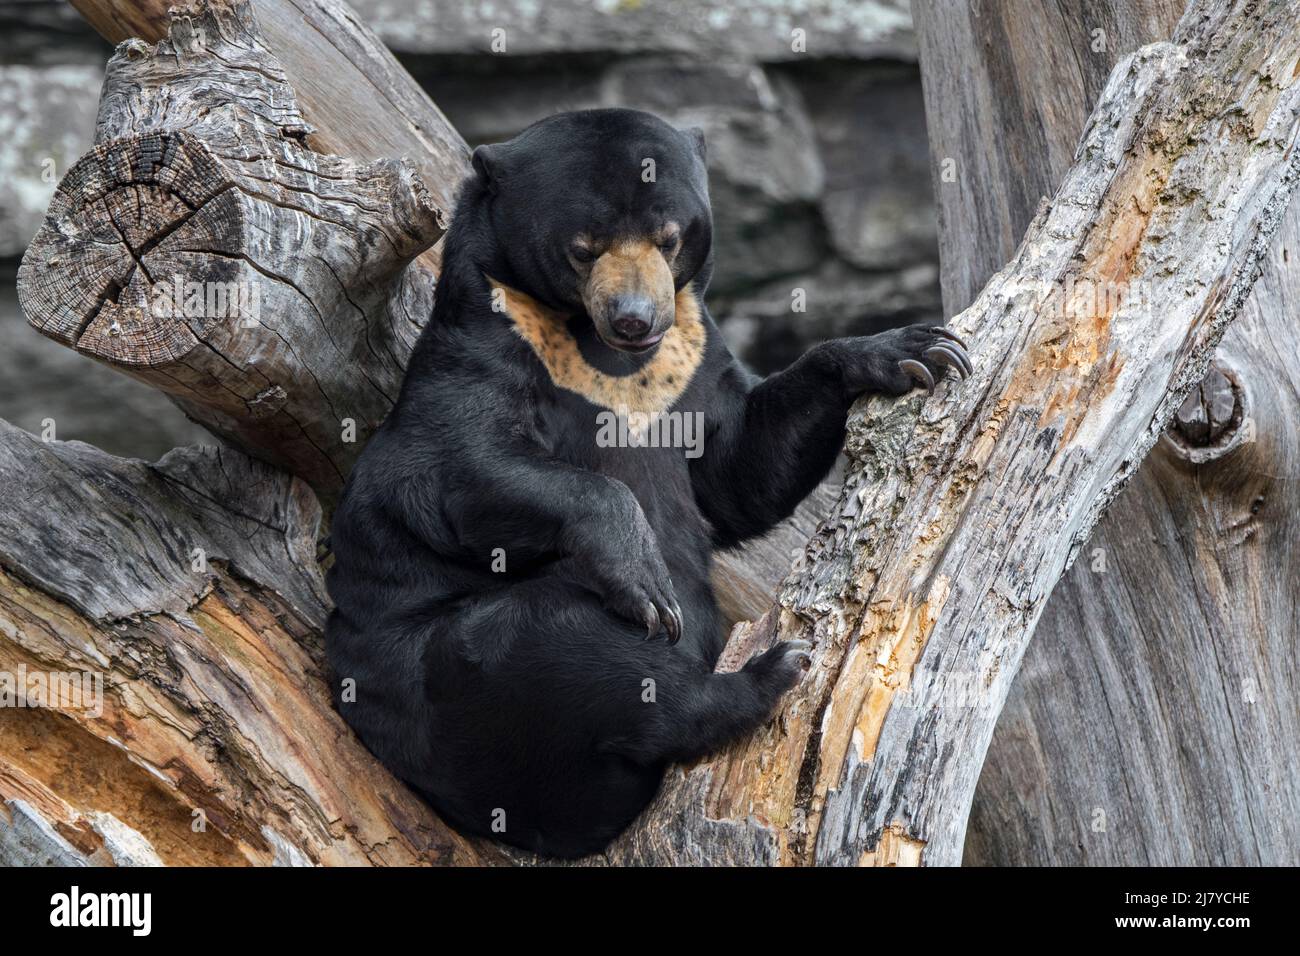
(818, 161)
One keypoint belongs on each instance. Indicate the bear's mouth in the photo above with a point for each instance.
(638, 347)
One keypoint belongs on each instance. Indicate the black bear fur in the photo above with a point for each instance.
(527, 704)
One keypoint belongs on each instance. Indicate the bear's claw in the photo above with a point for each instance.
(651, 614)
(948, 334)
(930, 358)
(954, 356)
(919, 372)
(673, 624)
(669, 618)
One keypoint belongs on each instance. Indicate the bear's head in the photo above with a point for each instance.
(603, 213)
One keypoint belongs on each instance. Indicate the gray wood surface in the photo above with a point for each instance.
(200, 185)
(1008, 86)
(1154, 718)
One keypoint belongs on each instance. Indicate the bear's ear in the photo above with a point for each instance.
(696, 137)
(487, 163)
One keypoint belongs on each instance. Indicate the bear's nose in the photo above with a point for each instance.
(633, 317)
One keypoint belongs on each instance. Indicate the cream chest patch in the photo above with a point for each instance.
(651, 389)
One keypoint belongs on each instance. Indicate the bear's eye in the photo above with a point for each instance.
(668, 246)
(581, 253)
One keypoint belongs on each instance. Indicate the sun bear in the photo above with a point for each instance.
(522, 599)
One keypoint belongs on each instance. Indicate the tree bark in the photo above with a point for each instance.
(1008, 87)
(204, 249)
(919, 591)
(360, 101)
(191, 589)
(1151, 722)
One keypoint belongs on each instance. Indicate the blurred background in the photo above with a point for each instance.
(818, 161)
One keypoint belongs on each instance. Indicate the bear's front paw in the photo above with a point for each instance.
(635, 585)
(897, 361)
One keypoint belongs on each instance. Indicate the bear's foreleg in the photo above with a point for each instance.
(534, 509)
(771, 442)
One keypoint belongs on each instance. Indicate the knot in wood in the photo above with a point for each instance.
(1209, 424)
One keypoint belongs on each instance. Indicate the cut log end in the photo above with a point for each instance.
(103, 275)
(1214, 419)
(206, 249)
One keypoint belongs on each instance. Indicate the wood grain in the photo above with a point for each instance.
(200, 185)
(359, 100)
(1153, 720)
(191, 589)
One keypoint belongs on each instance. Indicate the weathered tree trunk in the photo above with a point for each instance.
(205, 249)
(920, 590)
(191, 589)
(1153, 721)
(361, 102)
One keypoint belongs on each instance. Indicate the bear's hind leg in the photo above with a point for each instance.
(702, 712)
